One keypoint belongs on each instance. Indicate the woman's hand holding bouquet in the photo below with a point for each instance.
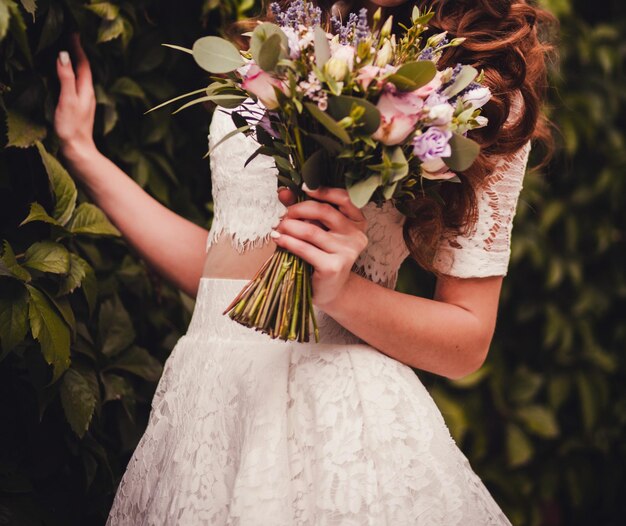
(359, 110)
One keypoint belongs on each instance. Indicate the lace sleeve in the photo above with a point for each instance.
(245, 202)
(486, 251)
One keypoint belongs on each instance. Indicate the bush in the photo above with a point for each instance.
(85, 326)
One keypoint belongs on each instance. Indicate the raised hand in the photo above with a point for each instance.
(328, 238)
(76, 107)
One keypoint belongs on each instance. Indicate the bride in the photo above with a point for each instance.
(249, 430)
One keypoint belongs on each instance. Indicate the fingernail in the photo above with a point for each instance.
(64, 57)
(283, 213)
(305, 187)
(280, 188)
(275, 234)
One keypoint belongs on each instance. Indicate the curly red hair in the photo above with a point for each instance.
(506, 40)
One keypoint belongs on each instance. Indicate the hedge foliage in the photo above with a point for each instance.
(85, 326)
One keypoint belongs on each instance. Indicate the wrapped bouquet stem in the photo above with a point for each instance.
(357, 108)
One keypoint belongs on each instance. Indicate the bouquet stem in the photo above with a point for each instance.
(277, 300)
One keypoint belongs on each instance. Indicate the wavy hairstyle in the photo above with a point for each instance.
(505, 39)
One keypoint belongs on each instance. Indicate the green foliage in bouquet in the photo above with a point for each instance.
(355, 109)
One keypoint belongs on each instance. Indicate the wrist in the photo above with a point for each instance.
(335, 306)
(77, 152)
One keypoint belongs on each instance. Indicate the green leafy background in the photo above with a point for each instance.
(85, 326)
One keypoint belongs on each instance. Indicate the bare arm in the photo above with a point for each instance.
(172, 245)
(449, 335)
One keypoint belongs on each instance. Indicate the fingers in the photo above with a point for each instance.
(310, 253)
(286, 196)
(66, 76)
(325, 213)
(310, 233)
(84, 81)
(339, 197)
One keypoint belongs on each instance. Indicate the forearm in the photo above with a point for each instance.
(172, 245)
(426, 334)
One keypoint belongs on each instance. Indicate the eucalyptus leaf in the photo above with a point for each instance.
(464, 153)
(262, 33)
(270, 53)
(465, 77)
(216, 55)
(361, 191)
(413, 75)
(322, 47)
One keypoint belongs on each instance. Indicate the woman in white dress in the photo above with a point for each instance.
(248, 430)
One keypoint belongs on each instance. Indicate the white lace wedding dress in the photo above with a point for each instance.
(247, 430)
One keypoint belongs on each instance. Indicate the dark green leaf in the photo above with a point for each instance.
(77, 400)
(63, 187)
(116, 331)
(88, 219)
(539, 420)
(341, 106)
(13, 314)
(47, 256)
(138, 361)
(9, 265)
(23, 132)
(50, 331)
(38, 213)
(328, 122)
(314, 169)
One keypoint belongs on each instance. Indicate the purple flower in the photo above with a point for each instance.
(432, 144)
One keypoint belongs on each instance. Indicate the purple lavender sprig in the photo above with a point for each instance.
(299, 13)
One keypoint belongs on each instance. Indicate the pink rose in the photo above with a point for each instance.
(367, 74)
(399, 115)
(261, 84)
(429, 88)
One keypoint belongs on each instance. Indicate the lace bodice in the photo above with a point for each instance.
(246, 206)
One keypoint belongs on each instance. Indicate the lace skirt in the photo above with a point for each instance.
(248, 430)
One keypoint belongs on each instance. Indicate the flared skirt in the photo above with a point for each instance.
(249, 430)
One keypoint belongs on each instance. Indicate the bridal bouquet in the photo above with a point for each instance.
(357, 108)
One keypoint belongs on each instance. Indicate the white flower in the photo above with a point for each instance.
(385, 55)
(344, 53)
(293, 41)
(476, 98)
(441, 114)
